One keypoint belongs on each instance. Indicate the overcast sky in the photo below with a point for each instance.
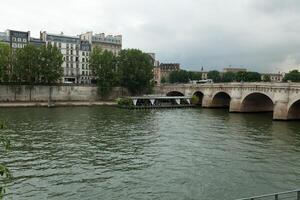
(262, 35)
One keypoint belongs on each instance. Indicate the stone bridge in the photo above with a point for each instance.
(283, 99)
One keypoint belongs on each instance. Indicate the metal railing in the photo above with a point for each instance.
(289, 195)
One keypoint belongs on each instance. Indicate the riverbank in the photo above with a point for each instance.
(56, 104)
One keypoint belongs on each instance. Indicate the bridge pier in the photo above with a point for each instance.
(280, 111)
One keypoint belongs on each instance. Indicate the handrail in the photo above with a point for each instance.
(275, 195)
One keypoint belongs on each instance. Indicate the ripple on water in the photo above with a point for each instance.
(109, 153)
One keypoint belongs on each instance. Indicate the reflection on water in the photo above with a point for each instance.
(108, 153)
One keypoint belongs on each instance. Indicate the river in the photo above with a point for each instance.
(110, 153)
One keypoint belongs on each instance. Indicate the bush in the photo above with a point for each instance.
(124, 102)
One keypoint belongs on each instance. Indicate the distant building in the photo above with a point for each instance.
(4, 37)
(234, 70)
(110, 43)
(37, 42)
(273, 77)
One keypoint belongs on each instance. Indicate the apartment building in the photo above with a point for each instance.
(71, 49)
(112, 43)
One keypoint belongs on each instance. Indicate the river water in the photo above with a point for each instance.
(110, 153)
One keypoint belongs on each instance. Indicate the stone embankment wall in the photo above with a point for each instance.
(38, 93)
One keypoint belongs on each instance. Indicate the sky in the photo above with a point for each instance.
(261, 35)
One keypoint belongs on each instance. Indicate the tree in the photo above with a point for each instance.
(293, 76)
(266, 78)
(180, 76)
(214, 75)
(253, 77)
(135, 71)
(27, 66)
(4, 61)
(163, 80)
(228, 77)
(103, 64)
(195, 76)
(241, 76)
(50, 62)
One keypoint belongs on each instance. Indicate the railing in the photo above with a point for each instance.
(289, 195)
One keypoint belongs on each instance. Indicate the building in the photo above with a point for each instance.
(70, 49)
(86, 76)
(110, 42)
(234, 70)
(37, 42)
(157, 75)
(167, 68)
(273, 77)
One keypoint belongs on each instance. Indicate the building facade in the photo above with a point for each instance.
(112, 43)
(75, 56)
(273, 77)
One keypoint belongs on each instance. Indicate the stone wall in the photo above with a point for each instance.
(21, 93)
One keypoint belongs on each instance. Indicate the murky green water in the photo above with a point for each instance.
(108, 153)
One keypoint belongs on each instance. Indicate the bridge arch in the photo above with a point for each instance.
(294, 110)
(200, 96)
(257, 102)
(174, 93)
(221, 100)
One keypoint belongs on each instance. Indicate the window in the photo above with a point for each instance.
(59, 45)
(83, 53)
(83, 60)
(67, 58)
(77, 59)
(67, 65)
(67, 46)
(82, 72)
(14, 39)
(71, 65)
(24, 40)
(19, 39)
(82, 66)
(71, 52)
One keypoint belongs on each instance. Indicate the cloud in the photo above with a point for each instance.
(260, 35)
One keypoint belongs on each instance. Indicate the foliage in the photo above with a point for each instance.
(4, 171)
(214, 75)
(124, 102)
(135, 71)
(195, 75)
(248, 76)
(195, 99)
(266, 78)
(4, 61)
(228, 77)
(31, 64)
(180, 76)
(293, 76)
(50, 63)
(103, 64)
(163, 80)
(27, 66)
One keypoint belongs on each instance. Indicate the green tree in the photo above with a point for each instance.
(293, 76)
(266, 78)
(27, 66)
(253, 77)
(5, 54)
(163, 80)
(4, 171)
(214, 75)
(180, 76)
(228, 77)
(50, 62)
(241, 76)
(135, 71)
(103, 64)
(195, 76)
